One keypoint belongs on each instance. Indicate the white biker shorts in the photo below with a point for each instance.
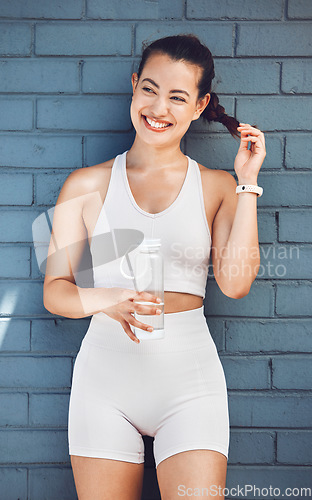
(172, 389)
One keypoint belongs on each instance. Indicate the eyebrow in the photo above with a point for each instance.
(171, 91)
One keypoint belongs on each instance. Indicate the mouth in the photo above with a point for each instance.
(156, 126)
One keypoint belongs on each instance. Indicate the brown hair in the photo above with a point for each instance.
(188, 48)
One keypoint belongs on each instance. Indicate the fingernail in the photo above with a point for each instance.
(158, 299)
(158, 311)
(150, 329)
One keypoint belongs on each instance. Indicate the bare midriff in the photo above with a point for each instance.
(176, 302)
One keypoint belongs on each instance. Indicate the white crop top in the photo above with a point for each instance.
(182, 228)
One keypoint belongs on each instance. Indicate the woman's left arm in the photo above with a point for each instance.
(236, 253)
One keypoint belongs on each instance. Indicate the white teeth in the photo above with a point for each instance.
(156, 124)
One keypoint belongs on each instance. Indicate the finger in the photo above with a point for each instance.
(128, 331)
(255, 142)
(250, 130)
(148, 297)
(134, 322)
(255, 133)
(145, 309)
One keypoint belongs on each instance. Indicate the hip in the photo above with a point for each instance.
(184, 331)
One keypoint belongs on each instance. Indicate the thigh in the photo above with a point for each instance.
(198, 419)
(104, 479)
(198, 473)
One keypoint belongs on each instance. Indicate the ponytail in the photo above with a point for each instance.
(216, 113)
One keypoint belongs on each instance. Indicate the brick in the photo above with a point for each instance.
(276, 113)
(13, 483)
(291, 302)
(218, 37)
(170, 10)
(59, 335)
(15, 225)
(57, 483)
(38, 75)
(285, 262)
(45, 9)
(33, 446)
(292, 372)
(257, 481)
(251, 447)
(216, 328)
(294, 189)
(266, 227)
(297, 77)
(123, 9)
(36, 151)
(295, 226)
(16, 114)
(299, 151)
(48, 187)
(219, 151)
(16, 189)
(243, 76)
(14, 262)
(270, 410)
(84, 113)
(241, 9)
(48, 409)
(294, 447)
(107, 76)
(15, 39)
(34, 371)
(274, 39)
(299, 9)
(87, 38)
(259, 301)
(35, 273)
(13, 409)
(14, 335)
(101, 148)
(276, 335)
(246, 373)
(22, 298)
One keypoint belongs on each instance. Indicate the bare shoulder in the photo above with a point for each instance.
(85, 181)
(217, 183)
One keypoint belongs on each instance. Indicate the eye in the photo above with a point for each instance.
(174, 97)
(147, 88)
(178, 98)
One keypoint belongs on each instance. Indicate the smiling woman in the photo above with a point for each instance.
(174, 388)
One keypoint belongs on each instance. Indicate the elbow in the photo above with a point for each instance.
(46, 304)
(236, 293)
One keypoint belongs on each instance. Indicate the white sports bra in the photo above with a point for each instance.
(182, 227)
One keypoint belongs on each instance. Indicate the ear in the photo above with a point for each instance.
(134, 81)
(201, 105)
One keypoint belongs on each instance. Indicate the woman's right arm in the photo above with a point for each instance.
(69, 237)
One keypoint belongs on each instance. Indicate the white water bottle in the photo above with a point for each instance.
(149, 275)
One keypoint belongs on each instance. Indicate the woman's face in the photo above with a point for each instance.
(166, 94)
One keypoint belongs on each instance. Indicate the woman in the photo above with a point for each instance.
(173, 389)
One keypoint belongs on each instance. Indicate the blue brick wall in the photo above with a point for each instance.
(65, 67)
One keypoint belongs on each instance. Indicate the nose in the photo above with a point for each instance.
(159, 108)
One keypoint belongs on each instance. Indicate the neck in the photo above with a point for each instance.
(144, 155)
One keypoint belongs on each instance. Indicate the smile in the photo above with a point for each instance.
(153, 125)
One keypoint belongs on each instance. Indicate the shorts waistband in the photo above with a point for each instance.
(184, 330)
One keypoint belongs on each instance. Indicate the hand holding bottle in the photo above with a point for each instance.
(125, 303)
